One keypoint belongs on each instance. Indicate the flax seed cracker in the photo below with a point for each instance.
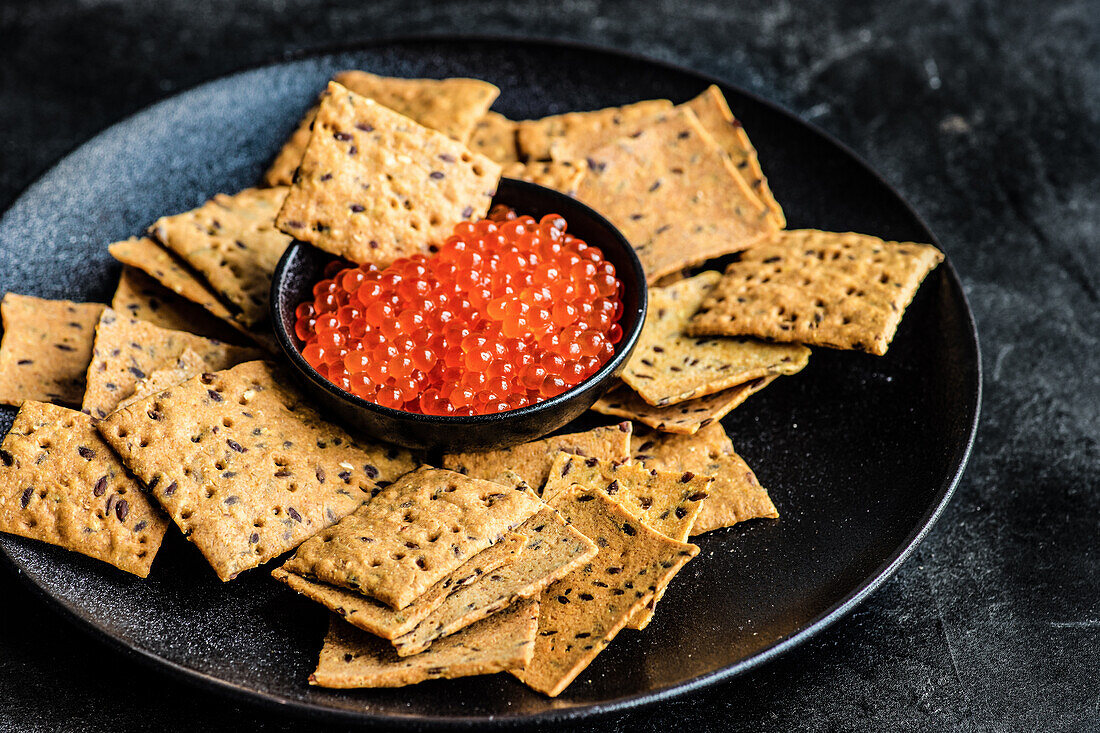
(572, 135)
(494, 136)
(686, 417)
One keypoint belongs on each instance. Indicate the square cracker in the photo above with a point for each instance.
(674, 195)
(450, 106)
(665, 501)
(244, 465)
(843, 291)
(187, 364)
(573, 135)
(46, 348)
(494, 136)
(580, 614)
(735, 495)
(560, 175)
(413, 534)
(669, 367)
(532, 461)
(140, 296)
(552, 550)
(374, 186)
(686, 417)
(381, 620)
(128, 350)
(716, 118)
(353, 658)
(232, 241)
(60, 483)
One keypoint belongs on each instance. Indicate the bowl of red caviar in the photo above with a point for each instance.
(507, 330)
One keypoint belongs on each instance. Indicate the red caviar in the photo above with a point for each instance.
(508, 312)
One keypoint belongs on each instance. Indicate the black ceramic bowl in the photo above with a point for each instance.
(302, 266)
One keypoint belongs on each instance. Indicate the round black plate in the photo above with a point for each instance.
(860, 453)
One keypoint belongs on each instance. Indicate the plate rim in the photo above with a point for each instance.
(304, 709)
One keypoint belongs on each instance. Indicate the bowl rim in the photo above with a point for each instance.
(623, 349)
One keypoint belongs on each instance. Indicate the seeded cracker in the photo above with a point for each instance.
(232, 241)
(502, 642)
(669, 367)
(244, 466)
(450, 106)
(666, 502)
(494, 137)
(127, 351)
(532, 460)
(413, 534)
(46, 348)
(735, 494)
(60, 483)
(843, 291)
(573, 135)
(674, 195)
(381, 620)
(140, 296)
(716, 118)
(686, 417)
(562, 176)
(552, 550)
(375, 186)
(178, 369)
(580, 614)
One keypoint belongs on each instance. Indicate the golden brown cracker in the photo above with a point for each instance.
(685, 417)
(244, 465)
(735, 495)
(842, 291)
(581, 614)
(494, 136)
(232, 241)
(669, 367)
(352, 658)
(140, 296)
(60, 483)
(716, 118)
(532, 461)
(46, 348)
(674, 195)
(375, 186)
(412, 534)
(572, 135)
(563, 175)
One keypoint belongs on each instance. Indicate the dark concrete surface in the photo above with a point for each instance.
(985, 115)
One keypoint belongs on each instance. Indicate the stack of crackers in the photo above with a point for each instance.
(528, 560)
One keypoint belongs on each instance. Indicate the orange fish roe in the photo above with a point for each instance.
(508, 312)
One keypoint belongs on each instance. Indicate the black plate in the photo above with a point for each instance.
(860, 453)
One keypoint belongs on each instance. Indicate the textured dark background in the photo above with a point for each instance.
(985, 115)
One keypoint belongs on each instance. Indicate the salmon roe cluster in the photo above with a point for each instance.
(509, 311)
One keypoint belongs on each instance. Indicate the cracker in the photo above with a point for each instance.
(685, 417)
(232, 241)
(669, 367)
(353, 658)
(164, 267)
(244, 465)
(127, 350)
(563, 175)
(735, 495)
(375, 186)
(494, 136)
(46, 348)
(573, 135)
(674, 195)
(552, 550)
(665, 501)
(580, 614)
(187, 364)
(413, 534)
(140, 296)
(842, 291)
(381, 620)
(60, 483)
(532, 461)
(450, 106)
(716, 118)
